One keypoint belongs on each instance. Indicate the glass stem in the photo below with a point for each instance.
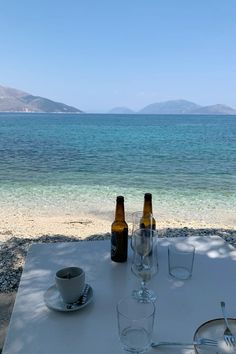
(143, 286)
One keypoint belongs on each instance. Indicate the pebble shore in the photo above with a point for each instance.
(13, 250)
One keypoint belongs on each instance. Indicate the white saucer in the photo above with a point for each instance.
(214, 329)
(54, 301)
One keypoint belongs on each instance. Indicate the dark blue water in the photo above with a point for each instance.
(170, 156)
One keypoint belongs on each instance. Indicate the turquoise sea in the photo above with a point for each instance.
(68, 162)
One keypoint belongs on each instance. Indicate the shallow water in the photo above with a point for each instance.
(63, 163)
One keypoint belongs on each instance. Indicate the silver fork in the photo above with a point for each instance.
(228, 335)
(200, 341)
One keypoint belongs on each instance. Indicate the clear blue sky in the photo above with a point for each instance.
(99, 54)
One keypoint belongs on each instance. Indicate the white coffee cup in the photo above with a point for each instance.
(70, 282)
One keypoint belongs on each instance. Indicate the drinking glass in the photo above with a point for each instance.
(135, 324)
(144, 263)
(180, 260)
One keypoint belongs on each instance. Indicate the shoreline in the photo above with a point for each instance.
(33, 223)
(20, 229)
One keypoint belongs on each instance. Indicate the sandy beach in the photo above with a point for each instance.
(33, 223)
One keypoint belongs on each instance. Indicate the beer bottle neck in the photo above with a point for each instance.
(147, 208)
(120, 211)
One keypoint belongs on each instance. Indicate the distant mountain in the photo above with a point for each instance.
(186, 107)
(12, 100)
(121, 110)
(170, 107)
(215, 109)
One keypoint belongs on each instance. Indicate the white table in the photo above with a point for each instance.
(181, 306)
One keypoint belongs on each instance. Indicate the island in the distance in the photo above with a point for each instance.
(178, 107)
(12, 100)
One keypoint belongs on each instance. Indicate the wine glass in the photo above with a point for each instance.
(135, 324)
(140, 222)
(144, 264)
(136, 217)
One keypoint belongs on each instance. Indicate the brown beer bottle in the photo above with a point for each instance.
(146, 222)
(119, 233)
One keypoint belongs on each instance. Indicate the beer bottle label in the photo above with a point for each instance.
(119, 245)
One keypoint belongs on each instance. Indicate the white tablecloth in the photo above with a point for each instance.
(182, 306)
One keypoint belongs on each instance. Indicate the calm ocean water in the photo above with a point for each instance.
(69, 161)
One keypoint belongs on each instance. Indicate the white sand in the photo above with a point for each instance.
(32, 223)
